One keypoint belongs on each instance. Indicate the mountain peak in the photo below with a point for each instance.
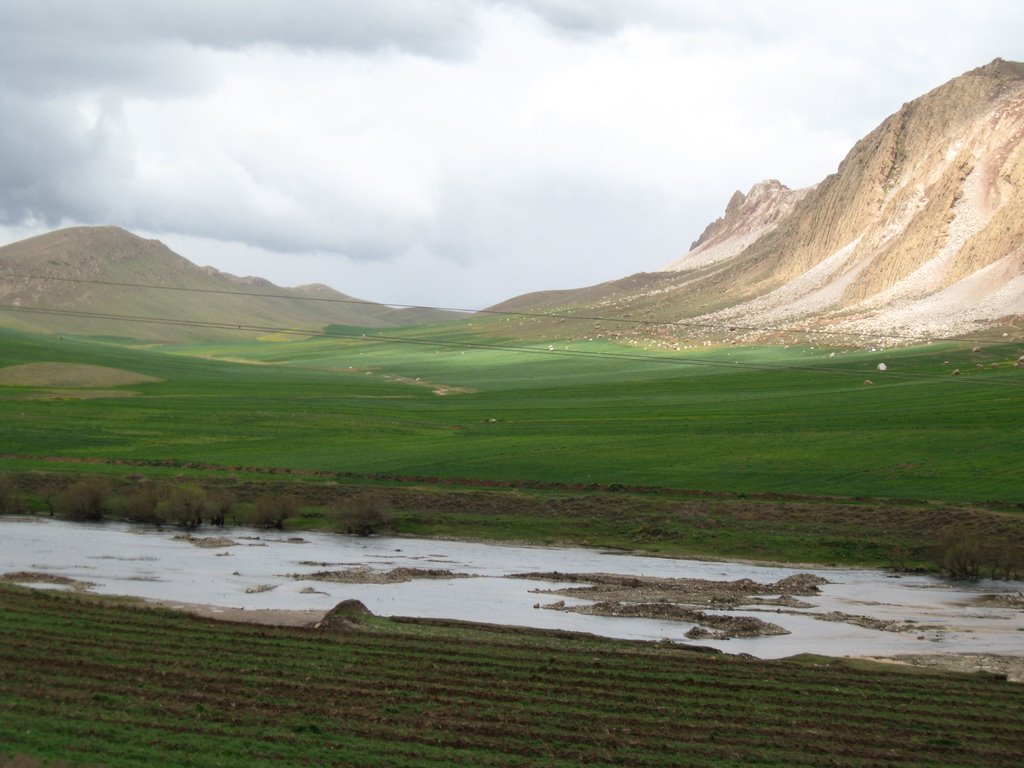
(747, 218)
(920, 231)
(918, 234)
(1012, 70)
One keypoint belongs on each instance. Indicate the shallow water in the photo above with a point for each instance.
(148, 562)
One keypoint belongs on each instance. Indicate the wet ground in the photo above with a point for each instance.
(856, 612)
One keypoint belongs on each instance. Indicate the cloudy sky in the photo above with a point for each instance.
(448, 152)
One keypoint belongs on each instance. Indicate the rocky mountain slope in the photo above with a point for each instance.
(78, 280)
(920, 233)
(747, 218)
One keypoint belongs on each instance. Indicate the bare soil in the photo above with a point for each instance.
(690, 592)
(674, 599)
(26, 577)
(364, 574)
(69, 375)
(1009, 667)
(1003, 600)
(207, 542)
(724, 627)
(869, 622)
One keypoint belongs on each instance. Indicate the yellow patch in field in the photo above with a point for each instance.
(286, 336)
(69, 376)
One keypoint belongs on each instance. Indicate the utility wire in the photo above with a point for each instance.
(508, 313)
(469, 345)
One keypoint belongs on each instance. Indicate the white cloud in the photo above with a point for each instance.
(448, 151)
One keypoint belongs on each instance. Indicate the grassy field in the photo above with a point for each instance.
(795, 421)
(91, 682)
(768, 453)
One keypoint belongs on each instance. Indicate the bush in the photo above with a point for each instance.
(220, 504)
(184, 505)
(11, 501)
(363, 514)
(85, 499)
(271, 510)
(964, 554)
(141, 505)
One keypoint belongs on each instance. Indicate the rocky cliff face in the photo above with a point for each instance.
(919, 232)
(747, 218)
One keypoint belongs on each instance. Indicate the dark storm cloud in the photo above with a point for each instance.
(55, 166)
(60, 56)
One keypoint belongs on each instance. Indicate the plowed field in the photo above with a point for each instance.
(91, 682)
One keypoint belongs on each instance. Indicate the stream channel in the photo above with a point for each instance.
(258, 572)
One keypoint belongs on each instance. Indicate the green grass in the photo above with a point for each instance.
(744, 420)
(89, 681)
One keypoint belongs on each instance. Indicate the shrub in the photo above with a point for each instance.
(964, 554)
(271, 510)
(219, 504)
(85, 499)
(11, 502)
(960, 553)
(363, 514)
(184, 505)
(140, 506)
(1004, 559)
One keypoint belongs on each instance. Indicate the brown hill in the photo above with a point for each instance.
(920, 232)
(84, 280)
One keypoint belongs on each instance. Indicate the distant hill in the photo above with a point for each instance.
(66, 282)
(920, 233)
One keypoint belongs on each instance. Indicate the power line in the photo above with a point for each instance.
(469, 345)
(730, 328)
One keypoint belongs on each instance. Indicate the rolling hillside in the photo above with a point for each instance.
(80, 280)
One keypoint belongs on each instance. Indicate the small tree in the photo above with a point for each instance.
(271, 510)
(85, 499)
(50, 494)
(363, 514)
(185, 505)
(219, 504)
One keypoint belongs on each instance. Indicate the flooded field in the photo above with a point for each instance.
(850, 613)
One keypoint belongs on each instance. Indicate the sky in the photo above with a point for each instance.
(449, 153)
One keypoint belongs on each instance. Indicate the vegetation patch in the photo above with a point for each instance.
(69, 376)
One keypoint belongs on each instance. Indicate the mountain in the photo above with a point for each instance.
(919, 233)
(747, 218)
(84, 280)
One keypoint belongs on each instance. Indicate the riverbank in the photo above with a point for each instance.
(775, 528)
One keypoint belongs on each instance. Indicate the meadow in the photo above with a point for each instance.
(456, 403)
(767, 453)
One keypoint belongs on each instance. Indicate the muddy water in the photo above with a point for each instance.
(151, 563)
